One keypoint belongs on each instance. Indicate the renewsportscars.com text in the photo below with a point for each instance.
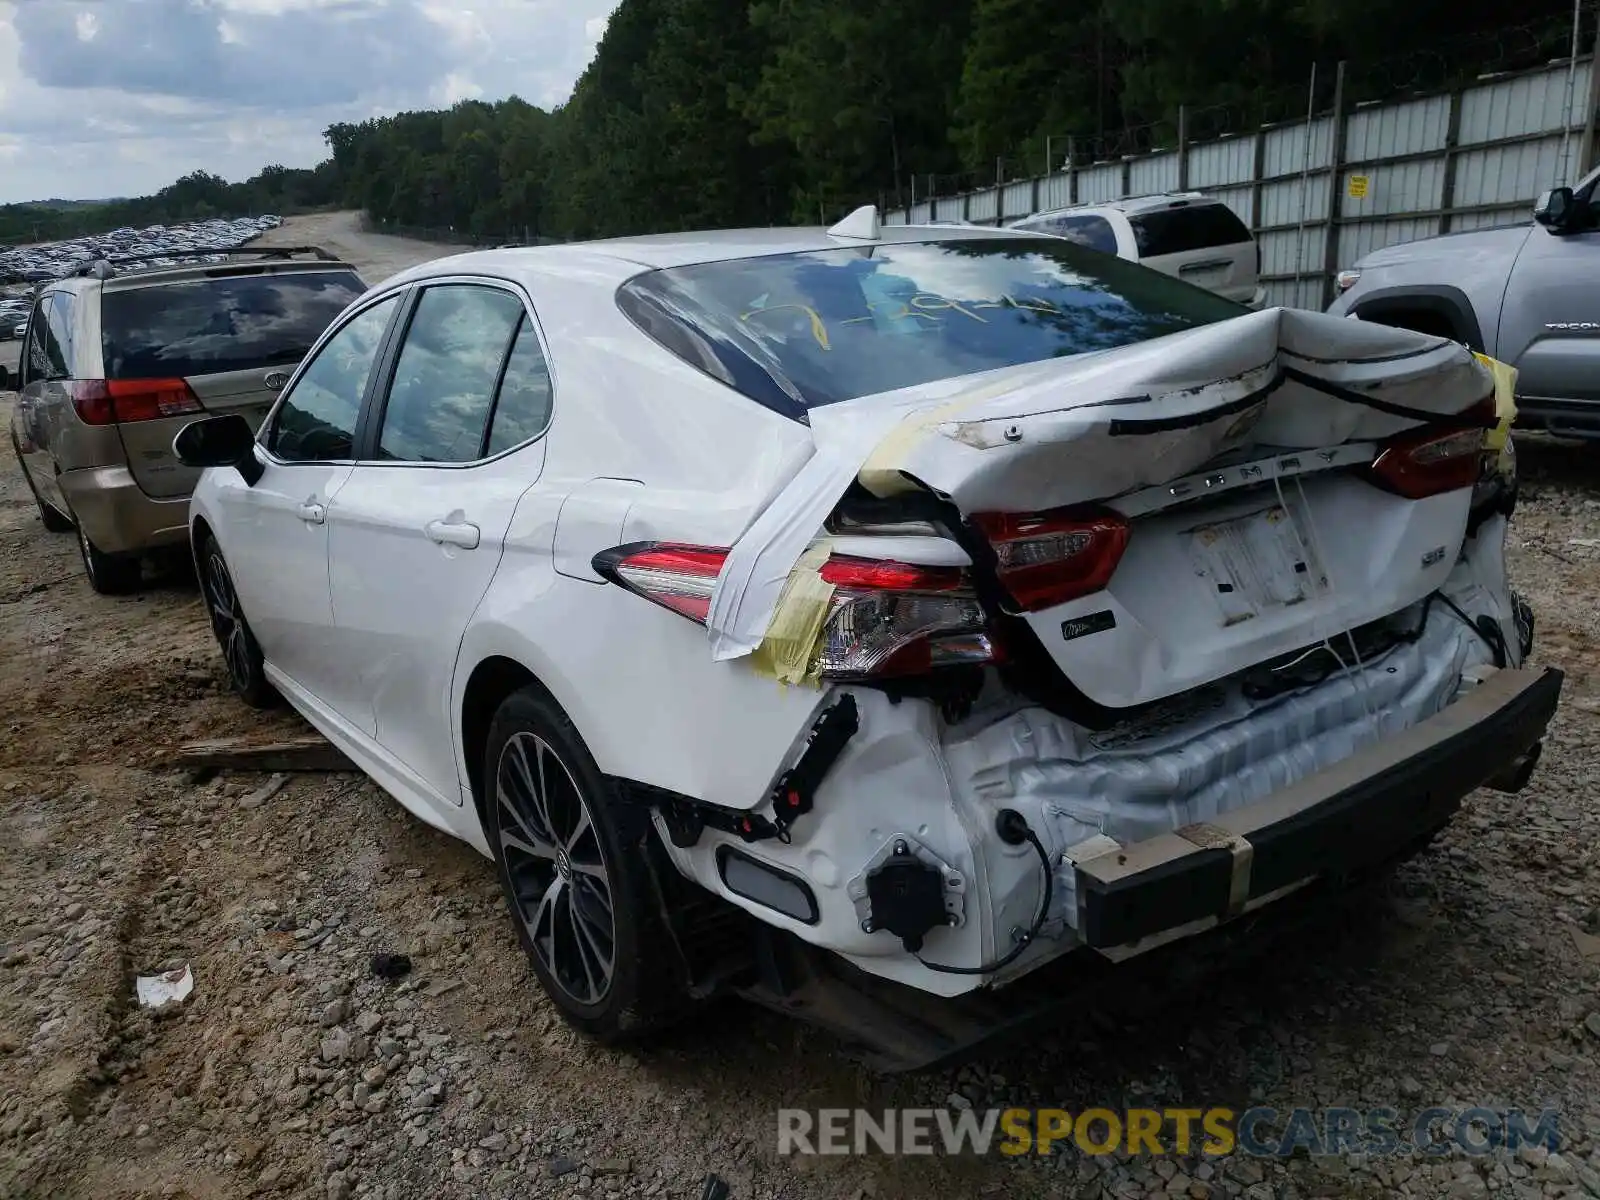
(1259, 1132)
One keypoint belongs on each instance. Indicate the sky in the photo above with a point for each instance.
(106, 98)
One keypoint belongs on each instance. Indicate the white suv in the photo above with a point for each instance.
(1195, 237)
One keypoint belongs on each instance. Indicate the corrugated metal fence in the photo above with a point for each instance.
(1319, 194)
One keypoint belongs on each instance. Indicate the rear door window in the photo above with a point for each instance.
(33, 366)
(43, 357)
(224, 323)
(1094, 232)
(58, 327)
(446, 374)
(522, 409)
(1181, 230)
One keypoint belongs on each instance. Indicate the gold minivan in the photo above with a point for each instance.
(118, 358)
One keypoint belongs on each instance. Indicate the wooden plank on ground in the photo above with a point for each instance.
(303, 752)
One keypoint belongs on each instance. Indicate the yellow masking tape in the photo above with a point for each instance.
(881, 473)
(790, 643)
(1505, 403)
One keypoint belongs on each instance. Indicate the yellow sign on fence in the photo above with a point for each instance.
(1359, 185)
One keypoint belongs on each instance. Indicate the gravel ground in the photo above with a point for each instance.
(1469, 979)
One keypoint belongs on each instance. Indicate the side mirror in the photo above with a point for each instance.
(1554, 208)
(219, 442)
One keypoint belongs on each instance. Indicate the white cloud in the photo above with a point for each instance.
(454, 88)
(124, 97)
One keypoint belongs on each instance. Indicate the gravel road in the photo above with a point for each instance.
(1469, 979)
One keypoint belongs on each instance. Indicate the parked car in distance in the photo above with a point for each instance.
(1526, 295)
(1193, 236)
(47, 261)
(1086, 653)
(116, 359)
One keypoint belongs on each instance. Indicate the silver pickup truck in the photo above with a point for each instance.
(1528, 295)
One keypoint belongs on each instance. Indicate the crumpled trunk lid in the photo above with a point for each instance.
(1206, 588)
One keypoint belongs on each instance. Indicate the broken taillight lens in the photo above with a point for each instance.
(1428, 463)
(1045, 559)
(884, 618)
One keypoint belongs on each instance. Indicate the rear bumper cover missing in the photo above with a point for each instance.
(1351, 815)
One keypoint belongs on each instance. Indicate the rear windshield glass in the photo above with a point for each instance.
(1093, 232)
(794, 331)
(1179, 230)
(229, 323)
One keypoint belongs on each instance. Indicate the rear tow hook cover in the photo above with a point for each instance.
(905, 897)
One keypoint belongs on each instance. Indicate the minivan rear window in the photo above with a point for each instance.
(794, 331)
(1180, 230)
(225, 323)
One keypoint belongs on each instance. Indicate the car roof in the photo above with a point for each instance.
(624, 257)
(1134, 204)
(137, 275)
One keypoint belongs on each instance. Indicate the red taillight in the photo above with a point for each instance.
(1429, 463)
(1045, 559)
(884, 617)
(92, 400)
(674, 576)
(891, 618)
(105, 401)
(875, 573)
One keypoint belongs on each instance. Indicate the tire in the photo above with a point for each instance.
(109, 574)
(54, 520)
(241, 653)
(559, 858)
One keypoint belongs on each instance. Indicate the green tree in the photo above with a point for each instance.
(859, 93)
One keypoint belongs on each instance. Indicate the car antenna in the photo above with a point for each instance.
(862, 225)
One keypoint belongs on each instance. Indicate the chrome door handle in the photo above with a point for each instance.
(312, 512)
(453, 533)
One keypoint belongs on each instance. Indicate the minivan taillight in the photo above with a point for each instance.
(1429, 462)
(107, 401)
(1045, 559)
(884, 618)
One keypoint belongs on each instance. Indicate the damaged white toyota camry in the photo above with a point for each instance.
(861, 619)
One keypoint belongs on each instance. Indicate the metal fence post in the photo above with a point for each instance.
(1257, 170)
(1183, 147)
(1330, 258)
(1452, 160)
(1072, 170)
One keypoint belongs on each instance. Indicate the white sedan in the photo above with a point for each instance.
(811, 613)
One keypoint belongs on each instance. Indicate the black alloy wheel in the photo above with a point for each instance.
(241, 654)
